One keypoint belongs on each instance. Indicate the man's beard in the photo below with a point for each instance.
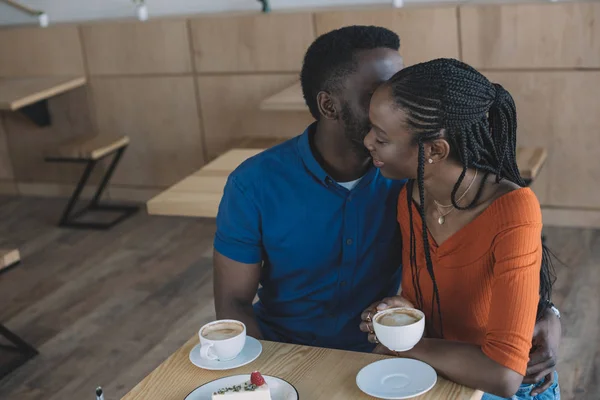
(355, 130)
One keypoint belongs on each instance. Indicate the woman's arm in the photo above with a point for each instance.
(498, 364)
(466, 364)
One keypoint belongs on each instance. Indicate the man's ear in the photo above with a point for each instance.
(326, 104)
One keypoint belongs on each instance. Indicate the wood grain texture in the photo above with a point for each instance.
(21, 92)
(27, 142)
(199, 194)
(84, 296)
(578, 297)
(530, 161)
(8, 188)
(6, 170)
(556, 111)
(316, 373)
(87, 147)
(151, 47)
(9, 257)
(62, 190)
(425, 33)
(231, 109)
(166, 138)
(251, 43)
(289, 99)
(571, 218)
(531, 35)
(34, 51)
(86, 299)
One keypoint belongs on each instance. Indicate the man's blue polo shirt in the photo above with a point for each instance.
(327, 252)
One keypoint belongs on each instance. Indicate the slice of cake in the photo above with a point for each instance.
(254, 389)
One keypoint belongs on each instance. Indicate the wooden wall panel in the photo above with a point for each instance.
(230, 109)
(531, 35)
(40, 51)
(6, 171)
(425, 33)
(158, 46)
(160, 116)
(27, 142)
(559, 110)
(252, 43)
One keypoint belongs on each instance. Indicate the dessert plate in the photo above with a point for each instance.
(396, 378)
(280, 389)
(249, 353)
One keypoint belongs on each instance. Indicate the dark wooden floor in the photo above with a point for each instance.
(105, 308)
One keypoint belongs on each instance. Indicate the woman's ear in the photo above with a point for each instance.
(437, 150)
(326, 105)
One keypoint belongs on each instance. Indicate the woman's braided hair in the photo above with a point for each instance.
(448, 98)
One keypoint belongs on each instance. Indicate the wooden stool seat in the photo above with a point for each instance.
(91, 151)
(9, 257)
(87, 148)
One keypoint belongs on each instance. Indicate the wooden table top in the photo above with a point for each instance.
(16, 93)
(317, 374)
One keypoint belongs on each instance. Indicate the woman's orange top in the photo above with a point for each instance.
(488, 276)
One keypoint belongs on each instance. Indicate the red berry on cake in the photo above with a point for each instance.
(257, 379)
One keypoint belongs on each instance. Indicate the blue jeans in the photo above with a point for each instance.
(524, 393)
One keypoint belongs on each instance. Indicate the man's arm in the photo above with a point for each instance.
(235, 285)
(544, 352)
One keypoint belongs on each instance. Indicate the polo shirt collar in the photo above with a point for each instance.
(311, 163)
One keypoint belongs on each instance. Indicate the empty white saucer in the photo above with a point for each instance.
(249, 353)
(280, 389)
(396, 378)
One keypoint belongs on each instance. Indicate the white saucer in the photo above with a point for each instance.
(280, 389)
(250, 352)
(396, 378)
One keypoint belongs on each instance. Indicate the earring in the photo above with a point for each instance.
(430, 161)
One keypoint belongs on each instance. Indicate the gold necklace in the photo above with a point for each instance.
(442, 217)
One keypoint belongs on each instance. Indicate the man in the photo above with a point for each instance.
(304, 219)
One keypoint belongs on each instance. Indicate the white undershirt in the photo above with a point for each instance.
(350, 185)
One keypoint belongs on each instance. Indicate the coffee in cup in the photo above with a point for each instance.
(222, 330)
(222, 340)
(399, 329)
(399, 317)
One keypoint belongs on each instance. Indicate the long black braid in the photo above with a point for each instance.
(448, 98)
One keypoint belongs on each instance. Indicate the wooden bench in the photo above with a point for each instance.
(90, 150)
(530, 161)
(9, 258)
(199, 194)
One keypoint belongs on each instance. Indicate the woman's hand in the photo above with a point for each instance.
(367, 316)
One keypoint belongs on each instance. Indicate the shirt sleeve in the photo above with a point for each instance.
(238, 235)
(515, 296)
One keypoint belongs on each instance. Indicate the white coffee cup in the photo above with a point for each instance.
(222, 340)
(399, 337)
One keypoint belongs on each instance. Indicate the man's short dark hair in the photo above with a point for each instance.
(331, 58)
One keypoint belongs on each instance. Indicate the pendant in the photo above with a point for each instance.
(441, 220)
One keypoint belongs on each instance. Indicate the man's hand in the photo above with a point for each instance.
(544, 352)
(367, 316)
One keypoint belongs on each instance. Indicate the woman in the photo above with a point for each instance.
(471, 229)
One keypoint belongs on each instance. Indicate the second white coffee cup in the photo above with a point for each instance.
(222, 340)
(402, 336)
